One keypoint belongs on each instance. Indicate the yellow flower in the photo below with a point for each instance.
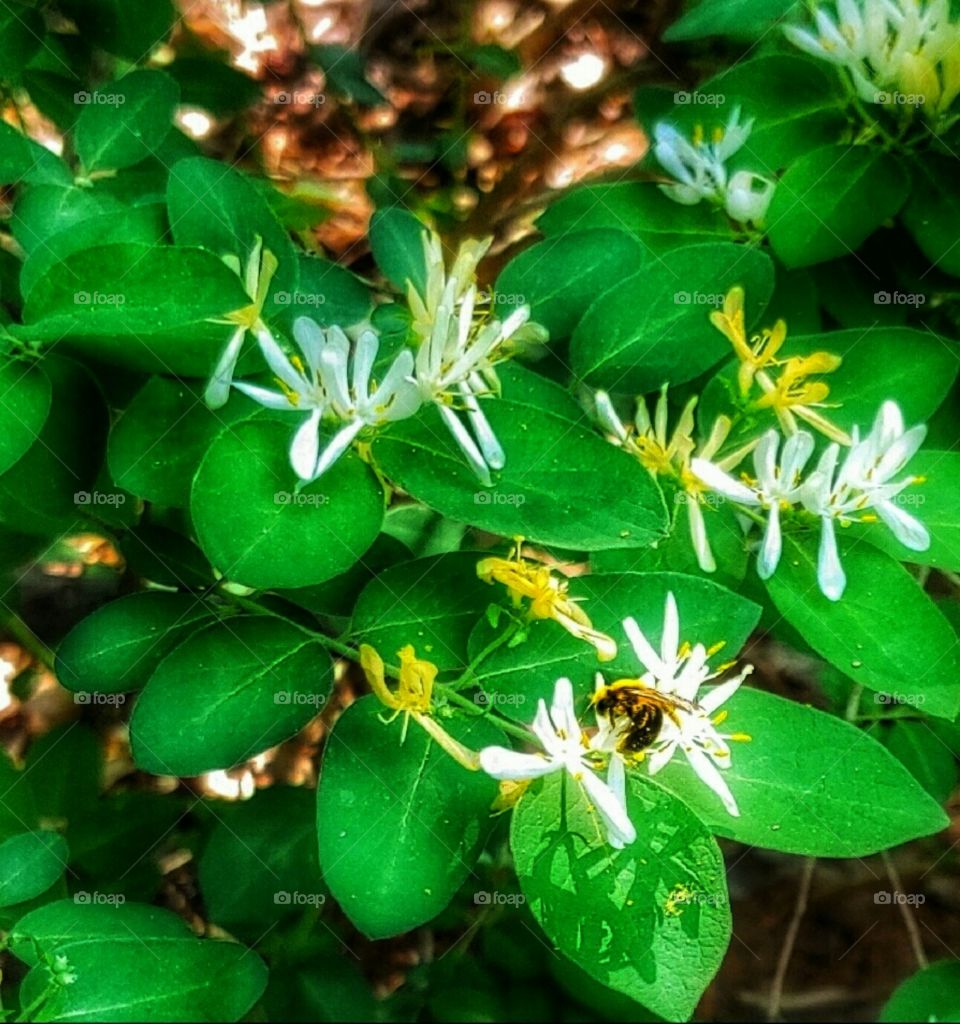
(548, 597)
(413, 698)
(754, 354)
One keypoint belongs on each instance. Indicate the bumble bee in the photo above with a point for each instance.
(635, 713)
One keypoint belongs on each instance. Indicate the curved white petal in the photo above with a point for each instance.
(717, 480)
(645, 653)
(305, 448)
(562, 710)
(709, 775)
(466, 444)
(265, 397)
(502, 763)
(337, 445)
(698, 535)
(830, 574)
(620, 830)
(218, 389)
(770, 549)
(905, 527)
(670, 640)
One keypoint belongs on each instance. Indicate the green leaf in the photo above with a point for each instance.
(258, 529)
(23, 160)
(562, 483)
(738, 19)
(124, 122)
(65, 767)
(62, 464)
(128, 30)
(327, 989)
(157, 444)
(933, 993)
(638, 207)
(515, 678)
(218, 208)
(400, 830)
(117, 648)
(936, 503)
(885, 633)
(652, 920)
(932, 212)
(921, 751)
(830, 200)
(213, 85)
(165, 556)
(139, 306)
(29, 864)
(327, 293)
(807, 783)
(21, 34)
(345, 74)
(263, 680)
(25, 396)
(493, 60)
(396, 238)
(654, 327)
(560, 277)
(432, 603)
(260, 863)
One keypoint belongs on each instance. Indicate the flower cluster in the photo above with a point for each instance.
(860, 488)
(700, 169)
(671, 681)
(331, 378)
(894, 51)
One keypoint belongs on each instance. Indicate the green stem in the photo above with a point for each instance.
(504, 724)
(469, 673)
(27, 639)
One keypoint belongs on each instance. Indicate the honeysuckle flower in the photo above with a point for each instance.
(259, 271)
(548, 596)
(677, 672)
(775, 487)
(900, 51)
(699, 167)
(459, 347)
(413, 698)
(332, 379)
(565, 750)
(864, 482)
(669, 455)
(791, 395)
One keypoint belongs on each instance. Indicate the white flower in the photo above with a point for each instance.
(699, 168)
(332, 380)
(776, 487)
(900, 51)
(670, 455)
(459, 349)
(563, 750)
(677, 672)
(257, 275)
(864, 481)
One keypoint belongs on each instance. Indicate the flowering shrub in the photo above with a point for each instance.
(531, 528)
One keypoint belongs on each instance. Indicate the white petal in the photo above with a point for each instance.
(723, 483)
(607, 416)
(364, 355)
(658, 759)
(713, 699)
(466, 444)
(698, 535)
(562, 711)
(336, 446)
(218, 389)
(305, 448)
(710, 775)
(645, 653)
(502, 763)
(765, 461)
(309, 336)
(830, 574)
(772, 545)
(493, 453)
(670, 640)
(265, 397)
(620, 830)
(277, 360)
(796, 453)
(905, 527)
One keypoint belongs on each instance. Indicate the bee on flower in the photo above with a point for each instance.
(646, 720)
(669, 455)
(548, 596)
(700, 169)
(459, 347)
